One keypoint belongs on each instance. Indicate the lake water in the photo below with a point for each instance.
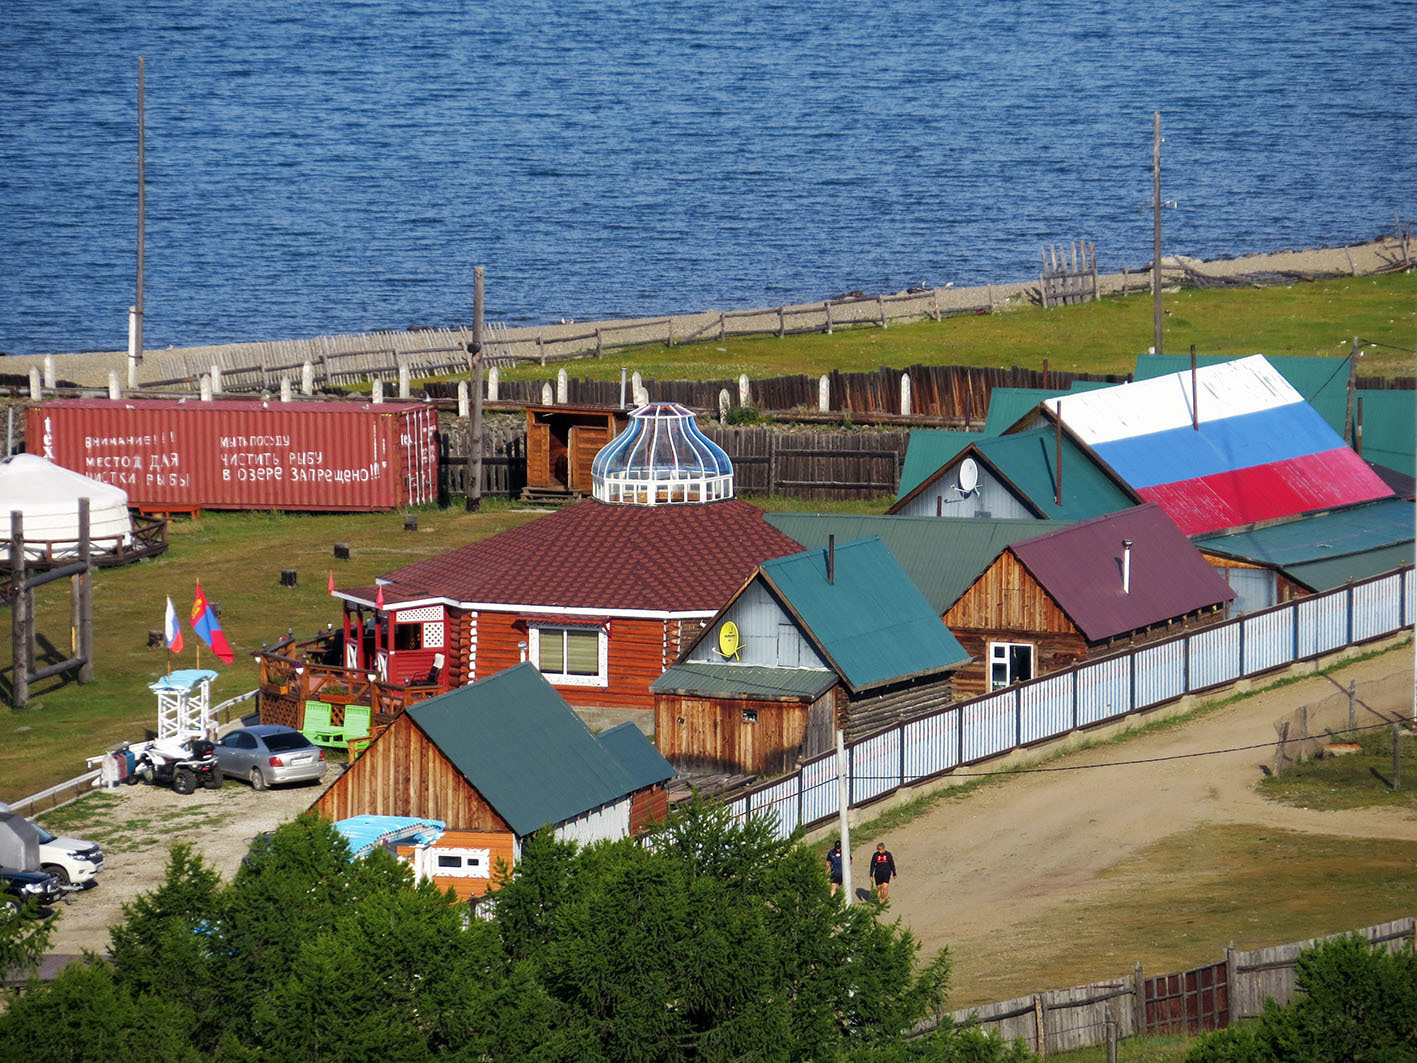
(324, 168)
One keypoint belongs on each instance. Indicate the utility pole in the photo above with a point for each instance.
(844, 796)
(474, 435)
(1156, 229)
(135, 329)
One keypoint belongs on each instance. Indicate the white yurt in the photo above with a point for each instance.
(47, 497)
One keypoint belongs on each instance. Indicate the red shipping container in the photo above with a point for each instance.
(233, 454)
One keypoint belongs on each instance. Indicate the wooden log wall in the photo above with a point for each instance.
(877, 710)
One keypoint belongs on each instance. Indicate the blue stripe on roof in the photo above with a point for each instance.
(1283, 433)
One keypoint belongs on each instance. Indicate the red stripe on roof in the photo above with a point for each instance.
(1335, 477)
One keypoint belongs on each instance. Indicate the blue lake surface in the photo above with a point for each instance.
(328, 168)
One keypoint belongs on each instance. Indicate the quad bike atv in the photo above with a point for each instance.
(171, 762)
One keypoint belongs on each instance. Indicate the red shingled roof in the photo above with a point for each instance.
(1081, 567)
(591, 555)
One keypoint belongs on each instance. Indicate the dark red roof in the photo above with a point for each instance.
(1081, 567)
(592, 555)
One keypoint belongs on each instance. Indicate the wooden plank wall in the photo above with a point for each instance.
(403, 774)
(727, 734)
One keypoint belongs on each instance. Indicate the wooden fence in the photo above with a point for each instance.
(1206, 998)
(1069, 279)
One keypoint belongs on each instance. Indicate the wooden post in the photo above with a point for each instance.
(20, 641)
(1156, 230)
(1232, 984)
(1111, 1040)
(1303, 730)
(1352, 707)
(1040, 1020)
(1396, 757)
(1139, 1002)
(881, 306)
(827, 309)
(1348, 405)
(781, 322)
(474, 436)
(137, 323)
(1279, 747)
(82, 608)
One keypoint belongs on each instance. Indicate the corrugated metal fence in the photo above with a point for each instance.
(1192, 1002)
(1096, 691)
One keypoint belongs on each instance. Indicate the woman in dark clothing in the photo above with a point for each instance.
(882, 870)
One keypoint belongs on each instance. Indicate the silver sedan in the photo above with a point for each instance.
(267, 753)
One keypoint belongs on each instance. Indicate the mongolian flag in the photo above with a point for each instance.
(204, 623)
(171, 630)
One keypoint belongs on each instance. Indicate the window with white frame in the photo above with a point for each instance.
(1009, 663)
(570, 656)
(462, 863)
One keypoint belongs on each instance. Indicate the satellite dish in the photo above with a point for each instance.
(728, 641)
(968, 475)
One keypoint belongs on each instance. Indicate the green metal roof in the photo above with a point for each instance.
(942, 556)
(926, 451)
(514, 739)
(1322, 381)
(1028, 460)
(869, 620)
(707, 679)
(1327, 550)
(1389, 428)
(1007, 405)
(636, 754)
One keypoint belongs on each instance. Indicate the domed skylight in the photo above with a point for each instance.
(661, 458)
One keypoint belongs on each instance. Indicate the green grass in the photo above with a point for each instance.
(1355, 780)
(1170, 1049)
(1318, 318)
(239, 558)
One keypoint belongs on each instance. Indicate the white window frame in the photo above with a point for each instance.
(472, 863)
(561, 679)
(1000, 651)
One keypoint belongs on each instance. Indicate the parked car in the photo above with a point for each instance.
(22, 886)
(267, 753)
(71, 861)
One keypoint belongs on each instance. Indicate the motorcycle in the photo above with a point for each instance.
(181, 765)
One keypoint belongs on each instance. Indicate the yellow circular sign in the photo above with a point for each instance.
(728, 644)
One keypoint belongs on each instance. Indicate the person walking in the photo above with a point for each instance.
(882, 870)
(834, 866)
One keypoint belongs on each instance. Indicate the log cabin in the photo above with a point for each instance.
(837, 638)
(495, 761)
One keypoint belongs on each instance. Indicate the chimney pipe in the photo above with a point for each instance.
(1058, 449)
(1195, 410)
(831, 558)
(1126, 566)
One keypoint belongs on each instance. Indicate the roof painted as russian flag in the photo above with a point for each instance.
(1259, 451)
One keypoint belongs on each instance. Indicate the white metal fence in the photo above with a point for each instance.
(1090, 693)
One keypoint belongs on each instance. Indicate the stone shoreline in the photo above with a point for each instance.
(91, 370)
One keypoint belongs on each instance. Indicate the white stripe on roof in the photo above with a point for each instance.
(1247, 385)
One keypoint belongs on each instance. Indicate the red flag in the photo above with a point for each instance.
(208, 628)
(379, 598)
(332, 581)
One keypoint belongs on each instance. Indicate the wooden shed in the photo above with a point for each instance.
(498, 760)
(561, 443)
(1049, 602)
(820, 640)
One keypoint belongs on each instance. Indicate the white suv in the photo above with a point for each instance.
(72, 861)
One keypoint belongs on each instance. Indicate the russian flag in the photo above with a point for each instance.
(172, 631)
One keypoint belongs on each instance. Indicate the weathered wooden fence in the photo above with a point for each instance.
(1206, 998)
(933, 744)
(1068, 279)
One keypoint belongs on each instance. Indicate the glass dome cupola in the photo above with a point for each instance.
(661, 458)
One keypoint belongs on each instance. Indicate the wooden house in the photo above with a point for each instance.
(496, 761)
(1052, 601)
(821, 640)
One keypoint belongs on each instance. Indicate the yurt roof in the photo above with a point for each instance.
(33, 484)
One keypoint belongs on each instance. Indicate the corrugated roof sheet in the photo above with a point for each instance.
(636, 754)
(942, 556)
(1326, 550)
(1323, 382)
(870, 621)
(1008, 405)
(1389, 428)
(1259, 451)
(926, 451)
(514, 739)
(1082, 567)
(1028, 460)
(729, 680)
(592, 555)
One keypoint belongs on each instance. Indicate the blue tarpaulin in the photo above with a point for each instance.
(364, 833)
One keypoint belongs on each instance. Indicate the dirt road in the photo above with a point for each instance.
(1015, 851)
